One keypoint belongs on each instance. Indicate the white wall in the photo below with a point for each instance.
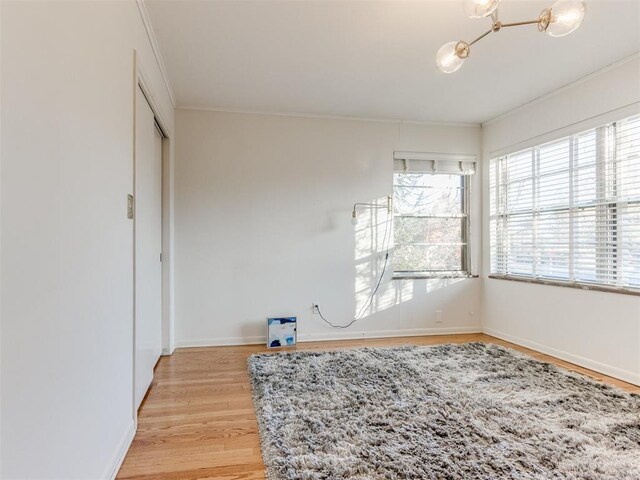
(263, 227)
(1, 238)
(594, 329)
(67, 139)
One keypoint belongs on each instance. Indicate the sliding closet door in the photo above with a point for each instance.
(148, 246)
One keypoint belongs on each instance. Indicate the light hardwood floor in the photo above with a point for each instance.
(197, 421)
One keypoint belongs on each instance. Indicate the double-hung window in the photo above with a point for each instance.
(431, 214)
(568, 211)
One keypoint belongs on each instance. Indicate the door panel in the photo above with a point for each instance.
(148, 246)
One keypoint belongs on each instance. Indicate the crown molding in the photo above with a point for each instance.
(564, 88)
(326, 117)
(146, 20)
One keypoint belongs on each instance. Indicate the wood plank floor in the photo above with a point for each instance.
(197, 421)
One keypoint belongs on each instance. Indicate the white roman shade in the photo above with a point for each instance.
(425, 162)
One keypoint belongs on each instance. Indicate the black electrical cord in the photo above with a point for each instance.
(369, 300)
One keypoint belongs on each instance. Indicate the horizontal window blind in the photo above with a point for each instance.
(569, 210)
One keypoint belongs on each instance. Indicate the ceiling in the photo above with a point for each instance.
(376, 59)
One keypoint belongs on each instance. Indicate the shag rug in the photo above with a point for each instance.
(470, 411)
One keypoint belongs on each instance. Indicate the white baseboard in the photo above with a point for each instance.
(314, 337)
(121, 452)
(594, 365)
(413, 332)
(222, 341)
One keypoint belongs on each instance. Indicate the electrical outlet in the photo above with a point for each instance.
(438, 317)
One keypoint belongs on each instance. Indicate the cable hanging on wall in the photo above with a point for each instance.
(386, 241)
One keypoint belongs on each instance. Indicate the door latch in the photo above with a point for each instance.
(129, 206)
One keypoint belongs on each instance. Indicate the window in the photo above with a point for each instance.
(431, 221)
(569, 210)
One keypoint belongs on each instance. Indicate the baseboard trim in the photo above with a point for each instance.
(221, 341)
(611, 371)
(323, 336)
(413, 332)
(121, 452)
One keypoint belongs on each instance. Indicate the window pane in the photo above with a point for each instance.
(554, 157)
(427, 230)
(585, 245)
(628, 159)
(553, 190)
(417, 258)
(519, 166)
(584, 185)
(427, 180)
(630, 251)
(553, 245)
(425, 194)
(629, 175)
(519, 244)
(519, 195)
(585, 149)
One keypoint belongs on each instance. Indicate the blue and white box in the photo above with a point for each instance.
(281, 332)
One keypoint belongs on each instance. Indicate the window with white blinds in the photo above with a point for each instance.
(569, 210)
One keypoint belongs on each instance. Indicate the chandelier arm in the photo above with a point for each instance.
(498, 25)
(517, 24)
(480, 37)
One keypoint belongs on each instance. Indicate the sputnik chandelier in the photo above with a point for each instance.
(562, 18)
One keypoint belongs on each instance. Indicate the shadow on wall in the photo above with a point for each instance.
(373, 238)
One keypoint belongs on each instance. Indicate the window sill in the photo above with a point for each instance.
(559, 283)
(430, 276)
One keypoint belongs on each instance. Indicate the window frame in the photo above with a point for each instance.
(604, 207)
(465, 270)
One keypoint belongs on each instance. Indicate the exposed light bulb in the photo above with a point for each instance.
(566, 17)
(447, 59)
(480, 8)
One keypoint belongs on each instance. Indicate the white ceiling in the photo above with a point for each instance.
(376, 59)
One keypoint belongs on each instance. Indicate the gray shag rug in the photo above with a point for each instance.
(470, 411)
